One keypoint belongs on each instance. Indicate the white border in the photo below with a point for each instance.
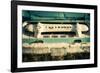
(53, 63)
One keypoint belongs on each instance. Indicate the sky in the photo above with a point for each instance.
(48, 15)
